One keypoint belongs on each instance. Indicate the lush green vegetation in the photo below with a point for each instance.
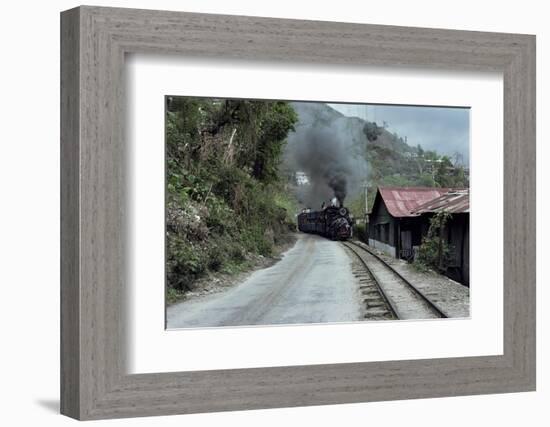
(225, 200)
(392, 162)
(435, 252)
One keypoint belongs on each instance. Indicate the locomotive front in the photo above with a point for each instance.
(339, 223)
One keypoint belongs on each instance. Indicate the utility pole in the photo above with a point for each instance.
(366, 198)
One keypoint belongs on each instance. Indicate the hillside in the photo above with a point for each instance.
(377, 156)
(226, 204)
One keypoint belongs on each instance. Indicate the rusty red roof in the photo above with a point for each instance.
(455, 201)
(401, 201)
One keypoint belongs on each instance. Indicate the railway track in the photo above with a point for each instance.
(377, 306)
(389, 295)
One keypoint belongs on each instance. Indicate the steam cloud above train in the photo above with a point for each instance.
(331, 163)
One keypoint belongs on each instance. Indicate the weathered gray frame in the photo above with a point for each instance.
(94, 41)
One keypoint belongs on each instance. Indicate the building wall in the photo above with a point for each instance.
(466, 255)
(382, 229)
(415, 227)
(383, 247)
(458, 236)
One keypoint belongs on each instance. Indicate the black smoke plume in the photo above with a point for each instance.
(328, 162)
(330, 149)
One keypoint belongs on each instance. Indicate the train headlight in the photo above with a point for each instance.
(343, 211)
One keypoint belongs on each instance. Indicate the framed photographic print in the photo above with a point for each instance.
(262, 213)
(242, 176)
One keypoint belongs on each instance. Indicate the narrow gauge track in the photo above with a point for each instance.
(377, 305)
(402, 298)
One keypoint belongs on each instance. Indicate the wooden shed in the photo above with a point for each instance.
(393, 227)
(400, 218)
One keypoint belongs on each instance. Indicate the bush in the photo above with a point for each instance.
(185, 262)
(237, 254)
(216, 258)
(434, 252)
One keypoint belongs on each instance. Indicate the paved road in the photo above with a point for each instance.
(313, 283)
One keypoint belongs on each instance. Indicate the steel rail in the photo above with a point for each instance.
(389, 304)
(431, 304)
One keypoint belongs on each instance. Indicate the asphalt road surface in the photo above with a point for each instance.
(312, 283)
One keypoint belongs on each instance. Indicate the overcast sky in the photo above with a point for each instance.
(446, 130)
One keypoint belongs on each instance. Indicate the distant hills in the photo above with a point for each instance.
(389, 159)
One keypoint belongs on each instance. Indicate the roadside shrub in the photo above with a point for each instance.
(216, 258)
(265, 248)
(185, 263)
(237, 254)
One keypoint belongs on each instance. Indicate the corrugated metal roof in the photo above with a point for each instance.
(401, 201)
(455, 201)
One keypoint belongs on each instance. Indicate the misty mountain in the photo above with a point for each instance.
(328, 144)
(317, 114)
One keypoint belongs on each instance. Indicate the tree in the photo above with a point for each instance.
(372, 131)
(425, 180)
(460, 177)
(183, 120)
(276, 123)
(431, 155)
(444, 173)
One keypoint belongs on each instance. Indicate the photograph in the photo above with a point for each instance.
(285, 212)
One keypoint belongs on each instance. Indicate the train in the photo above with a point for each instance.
(333, 222)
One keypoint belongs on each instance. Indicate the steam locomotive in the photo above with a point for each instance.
(334, 222)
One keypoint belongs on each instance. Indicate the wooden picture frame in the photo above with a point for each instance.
(94, 41)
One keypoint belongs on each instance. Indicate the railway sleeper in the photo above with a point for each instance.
(381, 313)
(372, 298)
(375, 303)
(377, 307)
